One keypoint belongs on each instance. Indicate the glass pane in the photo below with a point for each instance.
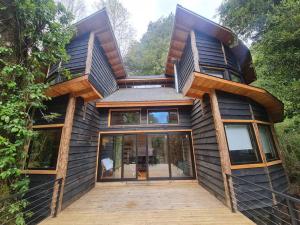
(158, 155)
(125, 117)
(242, 148)
(180, 153)
(43, 150)
(111, 162)
(213, 72)
(142, 156)
(129, 156)
(163, 116)
(267, 142)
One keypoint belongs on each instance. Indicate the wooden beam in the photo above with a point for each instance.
(82, 92)
(48, 125)
(143, 131)
(222, 143)
(146, 103)
(88, 63)
(38, 171)
(245, 121)
(62, 161)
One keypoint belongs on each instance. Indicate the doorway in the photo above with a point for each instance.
(145, 156)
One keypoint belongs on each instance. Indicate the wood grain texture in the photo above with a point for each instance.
(148, 203)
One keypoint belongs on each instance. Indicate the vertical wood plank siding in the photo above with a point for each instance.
(102, 76)
(83, 152)
(278, 178)
(55, 105)
(207, 156)
(184, 120)
(77, 51)
(186, 65)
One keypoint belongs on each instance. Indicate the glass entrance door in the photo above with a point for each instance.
(142, 157)
(129, 156)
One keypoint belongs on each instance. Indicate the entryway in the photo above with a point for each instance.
(148, 203)
(145, 156)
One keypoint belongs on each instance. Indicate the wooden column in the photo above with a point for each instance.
(62, 161)
(223, 149)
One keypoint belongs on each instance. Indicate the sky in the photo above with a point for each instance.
(144, 11)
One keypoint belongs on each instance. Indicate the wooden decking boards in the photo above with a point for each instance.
(148, 203)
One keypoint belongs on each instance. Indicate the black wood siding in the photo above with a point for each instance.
(40, 199)
(238, 107)
(278, 178)
(184, 120)
(207, 155)
(186, 65)
(56, 105)
(83, 152)
(102, 76)
(249, 196)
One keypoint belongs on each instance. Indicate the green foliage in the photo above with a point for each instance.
(148, 56)
(33, 35)
(273, 26)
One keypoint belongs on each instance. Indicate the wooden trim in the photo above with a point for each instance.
(259, 143)
(88, 63)
(195, 50)
(143, 131)
(38, 171)
(222, 142)
(98, 153)
(224, 54)
(275, 162)
(44, 126)
(94, 89)
(245, 121)
(194, 156)
(146, 103)
(126, 110)
(136, 80)
(63, 156)
(248, 166)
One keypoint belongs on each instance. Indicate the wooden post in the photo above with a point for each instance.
(223, 149)
(62, 161)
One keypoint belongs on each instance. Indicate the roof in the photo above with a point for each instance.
(146, 96)
(186, 21)
(99, 23)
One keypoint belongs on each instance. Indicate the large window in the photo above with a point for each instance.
(267, 142)
(241, 144)
(163, 116)
(132, 117)
(43, 150)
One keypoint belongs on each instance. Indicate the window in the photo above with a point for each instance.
(213, 72)
(235, 77)
(125, 117)
(241, 144)
(267, 142)
(43, 150)
(163, 116)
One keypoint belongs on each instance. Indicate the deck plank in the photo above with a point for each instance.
(148, 203)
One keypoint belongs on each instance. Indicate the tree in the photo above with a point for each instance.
(119, 18)
(33, 34)
(273, 26)
(76, 7)
(148, 56)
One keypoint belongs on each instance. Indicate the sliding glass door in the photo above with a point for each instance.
(145, 156)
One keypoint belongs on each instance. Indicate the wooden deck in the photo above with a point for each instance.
(148, 203)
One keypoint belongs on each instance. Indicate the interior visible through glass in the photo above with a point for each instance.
(125, 117)
(163, 116)
(129, 156)
(43, 150)
(267, 142)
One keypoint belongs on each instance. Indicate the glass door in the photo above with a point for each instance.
(129, 157)
(142, 157)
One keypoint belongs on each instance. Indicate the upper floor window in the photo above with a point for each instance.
(132, 117)
(241, 144)
(169, 116)
(213, 72)
(267, 142)
(43, 150)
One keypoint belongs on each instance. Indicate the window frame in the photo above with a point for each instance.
(124, 110)
(43, 170)
(253, 140)
(163, 124)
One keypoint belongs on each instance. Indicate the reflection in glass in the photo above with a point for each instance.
(43, 150)
(129, 156)
(180, 153)
(267, 142)
(125, 117)
(158, 155)
(241, 144)
(163, 116)
(111, 163)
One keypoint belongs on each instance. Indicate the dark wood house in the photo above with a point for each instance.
(200, 120)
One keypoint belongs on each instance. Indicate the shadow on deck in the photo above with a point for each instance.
(148, 203)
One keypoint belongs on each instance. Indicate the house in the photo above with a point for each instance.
(201, 120)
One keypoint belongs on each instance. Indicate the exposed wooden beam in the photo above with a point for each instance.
(143, 131)
(38, 171)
